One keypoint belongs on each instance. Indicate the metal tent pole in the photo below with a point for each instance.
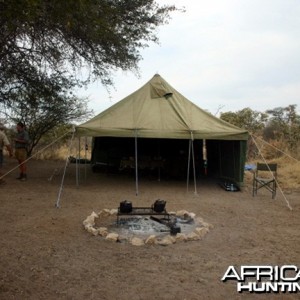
(194, 167)
(188, 167)
(64, 174)
(77, 164)
(204, 156)
(85, 157)
(136, 165)
(159, 160)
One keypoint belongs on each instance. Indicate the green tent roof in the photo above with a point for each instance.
(157, 110)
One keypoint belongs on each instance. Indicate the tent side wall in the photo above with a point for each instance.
(226, 159)
(108, 151)
(232, 158)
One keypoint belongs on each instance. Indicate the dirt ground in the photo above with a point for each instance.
(47, 254)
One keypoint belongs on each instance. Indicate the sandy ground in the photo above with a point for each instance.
(47, 254)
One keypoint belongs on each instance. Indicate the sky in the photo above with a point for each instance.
(223, 55)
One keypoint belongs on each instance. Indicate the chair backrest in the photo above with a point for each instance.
(266, 170)
(266, 167)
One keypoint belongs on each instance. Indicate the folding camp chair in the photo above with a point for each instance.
(265, 176)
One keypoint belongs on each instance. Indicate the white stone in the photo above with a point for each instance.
(180, 237)
(207, 225)
(93, 214)
(102, 231)
(199, 220)
(192, 215)
(151, 240)
(135, 241)
(112, 237)
(181, 213)
(201, 231)
(87, 226)
(92, 230)
(193, 237)
(122, 239)
(105, 212)
(167, 240)
(113, 211)
(90, 220)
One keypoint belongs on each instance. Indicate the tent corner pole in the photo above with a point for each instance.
(77, 163)
(194, 168)
(136, 164)
(85, 158)
(57, 204)
(188, 167)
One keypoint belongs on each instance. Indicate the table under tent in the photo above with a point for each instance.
(159, 130)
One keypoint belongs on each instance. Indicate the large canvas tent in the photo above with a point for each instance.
(158, 118)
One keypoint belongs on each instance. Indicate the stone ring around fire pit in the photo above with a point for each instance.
(144, 230)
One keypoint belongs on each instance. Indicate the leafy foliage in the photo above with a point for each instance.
(45, 116)
(279, 126)
(284, 125)
(44, 43)
(246, 118)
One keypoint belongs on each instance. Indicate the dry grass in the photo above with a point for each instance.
(288, 172)
(288, 163)
(62, 152)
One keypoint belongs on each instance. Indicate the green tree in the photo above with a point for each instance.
(43, 43)
(251, 120)
(284, 124)
(42, 117)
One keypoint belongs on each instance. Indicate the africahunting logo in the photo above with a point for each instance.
(265, 279)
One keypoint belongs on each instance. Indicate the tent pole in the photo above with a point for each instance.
(77, 164)
(64, 174)
(220, 158)
(194, 168)
(188, 167)
(204, 156)
(159, 160)
(234, 164)
(85, 157)
(136, 165)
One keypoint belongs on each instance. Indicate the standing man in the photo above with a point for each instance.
(21, 143)
(3, 142)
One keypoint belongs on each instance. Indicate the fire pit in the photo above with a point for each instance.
(159, 222)
(160, 229)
